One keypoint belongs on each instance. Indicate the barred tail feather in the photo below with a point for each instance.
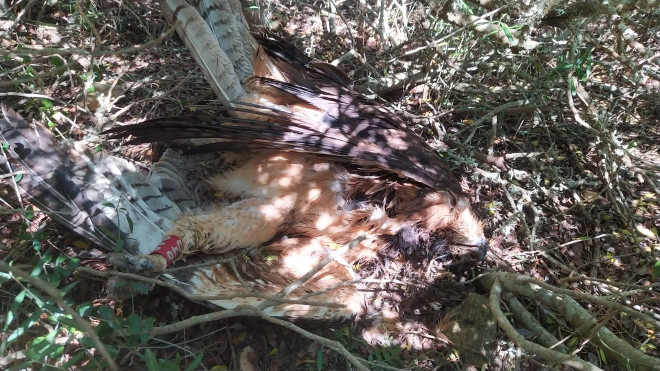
(99, 197)
(203, 44)
(227, 25)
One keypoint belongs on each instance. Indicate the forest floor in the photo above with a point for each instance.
(552, 122)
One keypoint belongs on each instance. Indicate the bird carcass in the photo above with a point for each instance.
(313, 189)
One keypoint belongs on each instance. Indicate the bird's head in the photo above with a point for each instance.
(467, 240)
(451, 219)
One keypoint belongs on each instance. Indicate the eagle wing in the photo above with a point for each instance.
(344, 128)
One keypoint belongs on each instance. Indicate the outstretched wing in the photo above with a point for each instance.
(292, 102)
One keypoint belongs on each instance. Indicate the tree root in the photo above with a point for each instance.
(585, 324)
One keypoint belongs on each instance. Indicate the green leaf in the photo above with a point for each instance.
(84, 309)
(587, 67)
(57, 61)
(51, 336)
(73, 360)
(134, 323)
(193, 365)
(18, 177)
(68, 287)
(18, 300)
(24, 326)
(319, 360)
(119, 245)
(506, 31)
(106, 313)
(29, 212)
(148, 324)
(4, 277)
(150, 360)
(139, 287)
(130, 223)
(54, 280)
(69, 322)
(60, 259)
(603, 357)
(103, 329)
(87, 341)
(573, 88)
(46, 103)
(38, 348)
(656, 270)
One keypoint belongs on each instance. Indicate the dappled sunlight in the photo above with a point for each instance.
(324, 220)
(547, 110)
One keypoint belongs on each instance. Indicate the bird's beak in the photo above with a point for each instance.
(481, 249)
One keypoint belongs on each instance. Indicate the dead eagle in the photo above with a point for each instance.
(310, 166)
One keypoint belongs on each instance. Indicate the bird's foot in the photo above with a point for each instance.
(122, 287)
(156, 262)
(152, 264)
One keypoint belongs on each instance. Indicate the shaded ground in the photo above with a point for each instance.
(558, 145)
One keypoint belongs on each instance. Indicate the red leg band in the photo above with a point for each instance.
(169, 248)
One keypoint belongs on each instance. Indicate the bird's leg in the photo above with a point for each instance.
(245, 223)
(268, 186)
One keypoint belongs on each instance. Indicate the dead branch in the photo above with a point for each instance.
(560, 300)
(246, 310)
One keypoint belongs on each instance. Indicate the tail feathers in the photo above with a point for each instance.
(230, 30)
(48, 179)
(87, 192)
(216, 34)
(132, 201)
(200, 39)
(164, 209)
(171, 175)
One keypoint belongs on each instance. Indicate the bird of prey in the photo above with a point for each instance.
(295, 187)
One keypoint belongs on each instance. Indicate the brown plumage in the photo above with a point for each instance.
(298, 166)
(319, 166)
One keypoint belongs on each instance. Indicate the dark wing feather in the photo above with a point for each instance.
(313, 110)
(367, 139)
(296, 67)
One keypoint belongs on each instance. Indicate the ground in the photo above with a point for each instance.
(551, 117)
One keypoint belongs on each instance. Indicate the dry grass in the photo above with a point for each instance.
(558, 144)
